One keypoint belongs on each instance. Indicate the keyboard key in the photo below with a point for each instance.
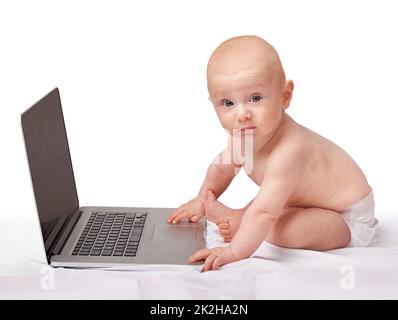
(106, 252)
(95, 253)
(136, 234)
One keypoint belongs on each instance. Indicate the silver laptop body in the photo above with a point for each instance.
(86, 237)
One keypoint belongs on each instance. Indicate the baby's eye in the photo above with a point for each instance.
(227, 103)
(256, 98)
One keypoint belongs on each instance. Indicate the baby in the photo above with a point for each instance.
(312, 194)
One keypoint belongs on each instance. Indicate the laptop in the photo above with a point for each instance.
(93, 236)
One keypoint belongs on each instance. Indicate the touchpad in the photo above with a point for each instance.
(174, 233)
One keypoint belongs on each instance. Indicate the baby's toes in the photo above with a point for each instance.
(225, 232)
(224, 228)
(223, 225)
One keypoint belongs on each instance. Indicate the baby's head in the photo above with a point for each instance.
(247, 85)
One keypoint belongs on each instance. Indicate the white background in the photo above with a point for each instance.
(133, 87)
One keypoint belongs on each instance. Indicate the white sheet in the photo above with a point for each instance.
(273, 273)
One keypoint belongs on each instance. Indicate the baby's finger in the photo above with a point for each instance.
(178, 210)
(218, 262)
(208, 265)
(175, 213)
(194, 218)
(180, 214)
(185, 214)
(200, 255)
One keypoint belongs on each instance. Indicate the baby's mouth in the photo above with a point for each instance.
(245, 129)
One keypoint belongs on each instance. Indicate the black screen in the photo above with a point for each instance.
(49, 160)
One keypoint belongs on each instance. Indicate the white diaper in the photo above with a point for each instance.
(361, 221)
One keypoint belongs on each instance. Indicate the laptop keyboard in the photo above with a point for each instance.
(111, 234)
(48, 227)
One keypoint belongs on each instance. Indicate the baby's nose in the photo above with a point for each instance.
(244, 114)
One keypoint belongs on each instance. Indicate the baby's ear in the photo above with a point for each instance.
(288, 93)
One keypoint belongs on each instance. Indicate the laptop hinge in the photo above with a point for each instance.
(64, 233)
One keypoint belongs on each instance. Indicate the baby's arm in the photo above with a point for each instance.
(278, 183)
(281, 177)
(218, 178)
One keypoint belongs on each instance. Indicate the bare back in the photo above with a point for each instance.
(331, 179)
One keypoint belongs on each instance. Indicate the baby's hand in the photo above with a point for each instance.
(214, 258)
(193, 210)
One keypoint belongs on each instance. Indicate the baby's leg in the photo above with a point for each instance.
(310, 228)
(227, 219)
(305, 228)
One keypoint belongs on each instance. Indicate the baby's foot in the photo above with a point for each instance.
(227, 219)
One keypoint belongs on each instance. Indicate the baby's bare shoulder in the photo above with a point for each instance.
(293, 143)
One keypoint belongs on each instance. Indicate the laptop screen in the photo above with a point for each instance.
(49, 161)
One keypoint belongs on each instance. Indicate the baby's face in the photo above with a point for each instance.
(248, 99)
